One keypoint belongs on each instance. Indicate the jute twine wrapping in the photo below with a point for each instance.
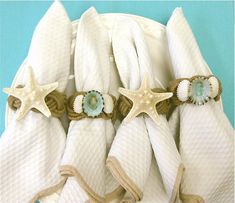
(173, 85)
(124, 105)
(72, 115)
(55, 101)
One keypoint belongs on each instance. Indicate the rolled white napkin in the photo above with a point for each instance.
(88, 139)
(31, 148)
(205, 134)
(131, 153)
(130, 156)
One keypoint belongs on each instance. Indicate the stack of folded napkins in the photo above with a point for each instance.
(130, 138)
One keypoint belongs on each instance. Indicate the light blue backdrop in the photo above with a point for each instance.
(211, 22)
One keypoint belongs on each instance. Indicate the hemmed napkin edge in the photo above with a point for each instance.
(114, 194)
(176, 187)
(69, 170)
(189, 197)
(48, 191)
(120, 175)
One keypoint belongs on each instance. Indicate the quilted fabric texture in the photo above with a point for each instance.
(205, 134)
(154, 189)
(134, 141)
(131, 146)
(31, 149)
(72, 192)
(89, 139)
(167, 156)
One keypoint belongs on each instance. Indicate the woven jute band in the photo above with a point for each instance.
(124, 105)
(173, 85)
(72, 115)
(56, 102)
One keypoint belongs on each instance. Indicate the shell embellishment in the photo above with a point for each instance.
(183, 90)
(214, 86)
(144, 100)
(93, 103)
(198, 90)
(32, 95)
(77, 105)
(108, 103)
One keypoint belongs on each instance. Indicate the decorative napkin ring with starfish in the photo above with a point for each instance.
(196, 90)
(144, 100)
(35, 97)
(91, 104)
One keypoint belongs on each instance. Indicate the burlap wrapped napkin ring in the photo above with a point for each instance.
(92, 104)
(144, 100)
(196, 90)
(55, 101)
(38, 98)
(124, 105)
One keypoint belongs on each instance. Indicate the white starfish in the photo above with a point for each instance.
(32, 95)
(144, 100)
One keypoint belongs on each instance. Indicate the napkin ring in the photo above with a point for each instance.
(91, 104)
(55, 101)
(124, 105)
(196, 90)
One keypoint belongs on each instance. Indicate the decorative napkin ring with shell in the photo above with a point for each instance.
(35, 97)
(91, 104)
(144, 100)
(196, 90)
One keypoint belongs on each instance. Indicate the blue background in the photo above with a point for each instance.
(211, 22)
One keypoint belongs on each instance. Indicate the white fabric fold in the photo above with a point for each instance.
(154, 191)
(131, 153)
(89, 139)
(205, 134)
(73, 192)
(130, 156)
(31, 149)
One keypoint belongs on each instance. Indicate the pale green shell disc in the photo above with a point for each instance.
(93, 103)
(200, 90)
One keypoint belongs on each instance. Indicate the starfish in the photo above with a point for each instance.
(144, 100)
(32, 95)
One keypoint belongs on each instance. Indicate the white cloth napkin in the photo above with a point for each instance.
(89, 140)
(31, 149)
(154, 191)
(130, 156)
(205, 134)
